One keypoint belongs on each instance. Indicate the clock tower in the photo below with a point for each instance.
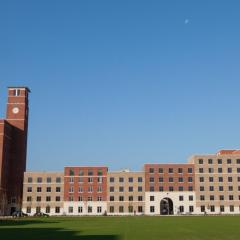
(17, 118)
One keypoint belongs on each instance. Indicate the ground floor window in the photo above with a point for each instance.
(191, 209)
(130, 209)
(80, 209)
(212, 208)
(89, 209)
(28, 209)
(99, 209)
(202, 208)
(57, 209)
(111, 209)
(48, 209)
(70, 209)
(121, 209)
(231, 208)
(38, 209)
(181, 209)
(140, 209)
(221, 208)
(152, 209)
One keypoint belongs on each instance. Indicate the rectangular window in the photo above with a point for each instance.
(222, 208)
(151, 170)
(130, 179)
(181, 209)
(130, 189)
(170, 170)
(121, 179)
(121, 209)
(80, 209)
(58, 180)
(58, 189)
(191, 209)
(140, 209)
(49, 180)
(180, 170)
(140, 198)
(181, 198)
(111, 179)
(48, 199)
(212, 208)
(28, 210)
(111, 209)
(39, 189)
(47, 209)
(151, 198)
(39, 180)
(160, 170)
(190, 170)
(99, 209)
(89, 209)
(152, 209)
(202, 208)
(30, 180)
(140, 179)
(29, 189)
(139, 188)
(58, 198)
(49, 189)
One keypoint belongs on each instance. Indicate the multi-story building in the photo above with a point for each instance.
(169, 189)
(217, 182)
(126, 193)
(43, 192)
(13, 149)
(85, 190)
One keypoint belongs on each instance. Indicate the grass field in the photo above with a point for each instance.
(122, 228)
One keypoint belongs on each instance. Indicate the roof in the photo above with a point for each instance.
(28, 89)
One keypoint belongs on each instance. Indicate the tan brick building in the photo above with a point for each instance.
(217, 182)
(126, 193)
(43, 192)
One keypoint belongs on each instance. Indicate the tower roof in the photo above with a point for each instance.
(16, 87)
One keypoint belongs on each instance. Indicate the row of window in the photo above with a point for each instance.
(85, 180)
(171, 179)
(122, 189)
(48, 180)
(89, 189)
(181, 198)
(129, 198)
(130, 209)
(218, 161)
(219, 188)
(89, 209)
(39, 209)
(220, 197)
(171, 170)
(180, 209)
(48, 199)
(88, 198)
(170, 188)
(40, 189)
(122, 179)
(218, 170)
(212, 208)
(219, 179)
(86, 172)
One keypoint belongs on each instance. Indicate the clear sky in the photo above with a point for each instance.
(122, 83)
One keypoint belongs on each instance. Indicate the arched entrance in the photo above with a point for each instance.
(166, 206)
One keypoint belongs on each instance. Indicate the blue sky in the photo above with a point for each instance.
(122, 83)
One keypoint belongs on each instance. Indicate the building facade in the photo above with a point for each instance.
(126, 193)
(13, 149)
(43, 192)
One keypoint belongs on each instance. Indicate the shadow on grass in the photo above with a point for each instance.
(49, 234)
(21, 222)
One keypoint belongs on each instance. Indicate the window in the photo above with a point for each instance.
(38, 209)
(58, 189)
(200, 170)
(231, 208)
(221, 208)
(99, 209)
(140, 209)
(151, 188)
(171, 189)
(130, 209)
(152, 209)
(121, 189)
(230, 179)
(89, 198)
(181, 209)
(180, 170)
(170, 170)
(111, 198)
(211, 188)
(99, 189)
(229, 170)
(80, 180)
(211, 197)
(29, 199)
(29, 189)
(130, 198)
(210, 179)
(71, 189)
(111, 189)
(210, 161)
(80, 198)
(181, 198)
(90, 180)
(190, 179)
(70, 198)
(16, 92)
(80, 209)
(58, 198)
(221, 197)
(201, 188)
(39, 180)
(219, 161)
(140, 198)
(99, 198)
(220, 179)
(190, 188)
(29, 210)
(180, 179)
(238, 161)
(238, 170)
(151, 198)
(71, 179)
(130, 179)
(39, 189)
(210, 170)
(201, 179)
(190, 170)
(139, 188)
(140, 179)
(121, 198)
(180, 188)
(202, 208)
(48, 199)
(191, 209)
(121, 209)
(81, 173)
(39, 198)
(220, 188)
(160, 179)
(89, 209)
(80, 189)
(111, 179)
(30, 180)
(121, 179)
(58, 180)
(220, 170)
(190, 197)
(151, 179)
(151, 170)
(71, 172)
(230, 188)
(48, 189)
(99, 172)
(229, 161)
(90, 189)
(161, 189)
(49, 180)
(111, 209)
(212, 208)
(202, 198)
(99, 179)
(57, 209)
(170, 179)
(231, 198)
(48, 209)
(90, 173)
(200, 161)
(160, 170)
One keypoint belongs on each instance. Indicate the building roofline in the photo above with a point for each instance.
(28, 89)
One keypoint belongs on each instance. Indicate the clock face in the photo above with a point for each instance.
(15, 110)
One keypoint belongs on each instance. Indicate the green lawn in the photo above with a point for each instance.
(122, 228)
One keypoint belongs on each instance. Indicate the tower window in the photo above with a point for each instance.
(16, 92)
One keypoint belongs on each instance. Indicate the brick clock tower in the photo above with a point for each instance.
(13, 150)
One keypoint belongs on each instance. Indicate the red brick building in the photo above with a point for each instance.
(13, 149)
